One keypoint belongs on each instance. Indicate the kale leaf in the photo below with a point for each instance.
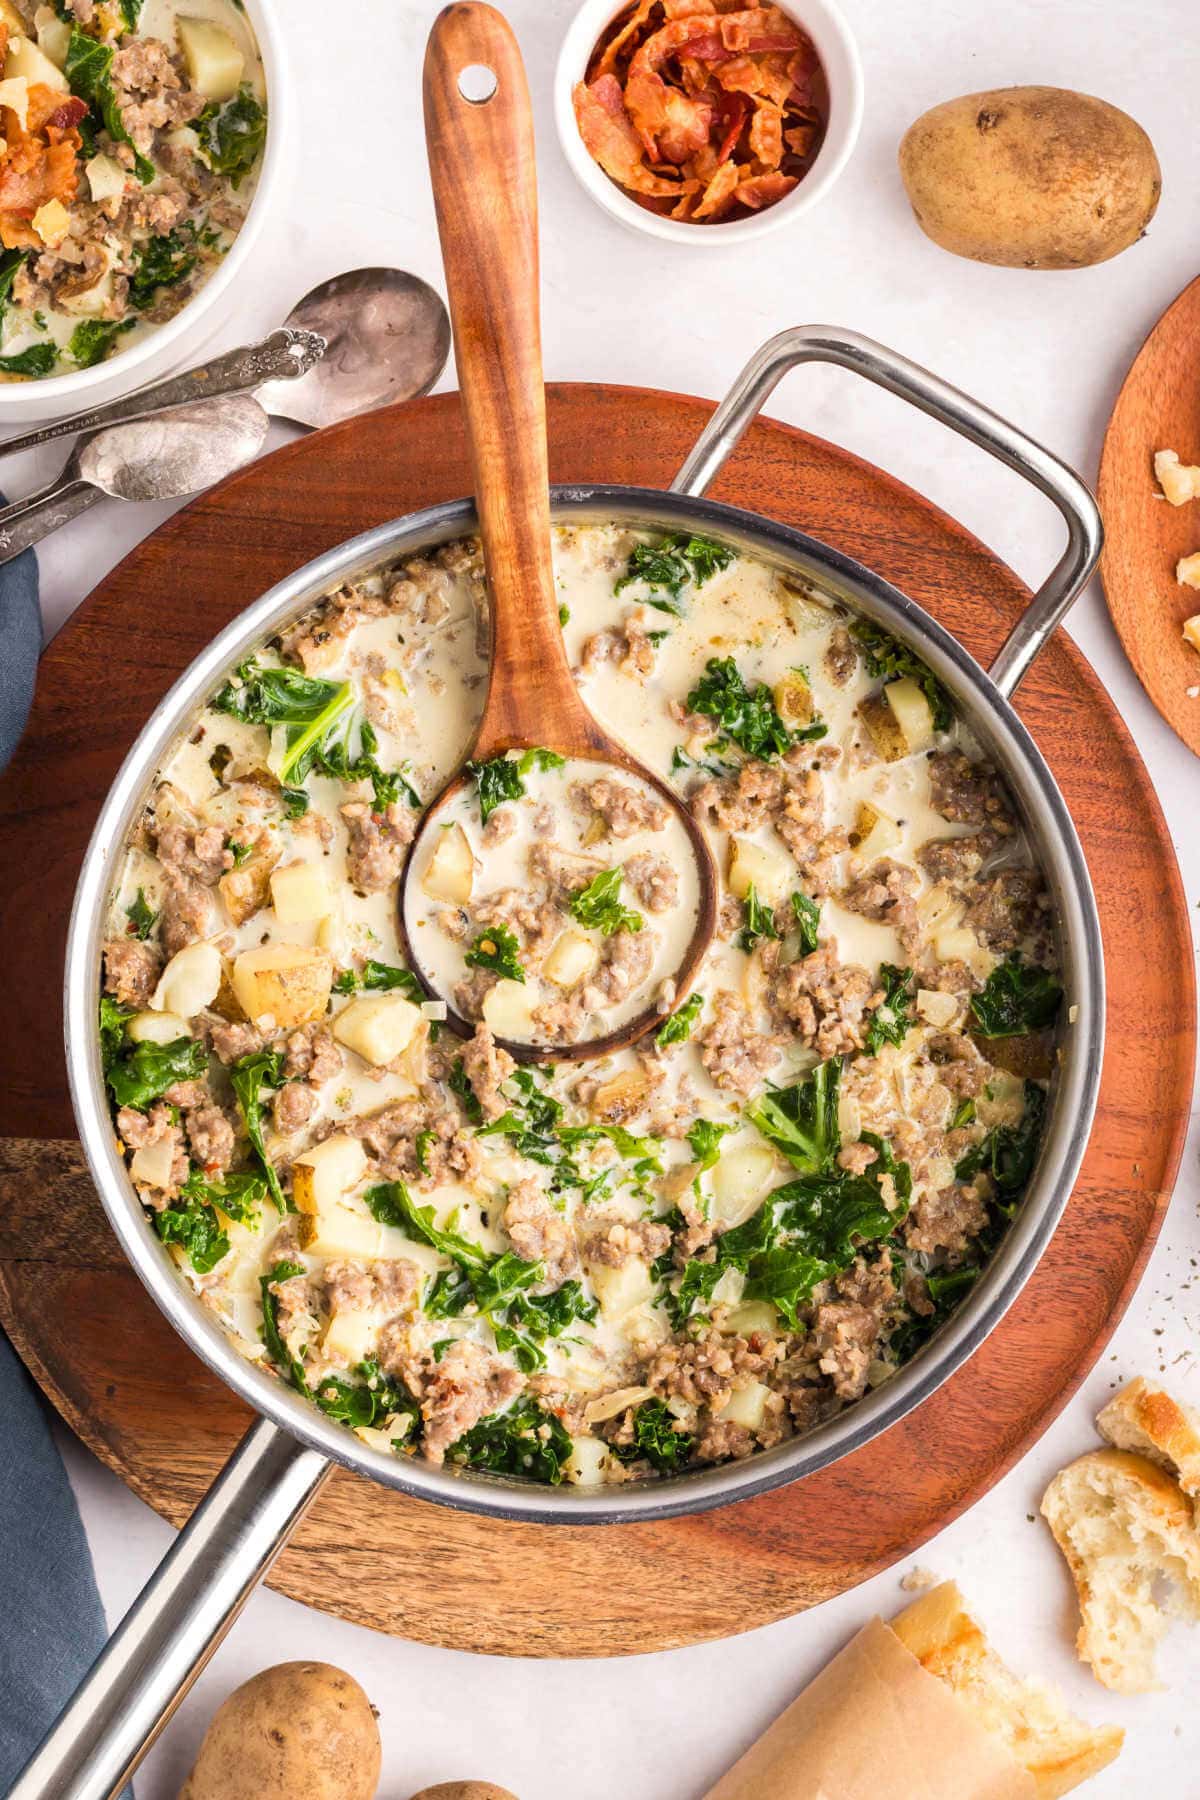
(277, 1350)
(525, 1440)
(10, 262)
(802, 1121)
(891, 1020)
(380, 977)
(232, 136)
(249, 1075)
(319, 717)
(658, 1437)
(38, 360)
(369, 1402)
(497, 949)
(1017, 998)
(162, 262)
(887, 660)
(459, 1083)
(391, 1204)
(113, 1019)
(759, 921)
(808, 919)
(142, 917)
(92, 339)
(142, 1075)
(746, 715)
(598, 907)
(88, 69)
(189, 1220)
(678, 1027)
(503, 777)
(1008, 1152)
(667, 568)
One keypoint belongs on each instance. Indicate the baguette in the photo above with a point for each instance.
(1125, 1527)
(1146, 1419)
(1058, 1750)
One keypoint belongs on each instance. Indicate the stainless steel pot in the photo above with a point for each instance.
(173, 1627)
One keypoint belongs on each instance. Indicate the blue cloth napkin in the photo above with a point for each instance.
(51, 1621)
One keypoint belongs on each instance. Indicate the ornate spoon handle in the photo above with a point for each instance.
(27, 522)
(282, 356)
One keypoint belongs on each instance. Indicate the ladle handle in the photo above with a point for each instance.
(481, 162)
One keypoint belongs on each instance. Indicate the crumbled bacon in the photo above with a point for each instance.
(703, 109)
(38, 163)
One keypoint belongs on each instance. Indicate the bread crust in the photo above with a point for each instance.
(1058, 1750)
(1146, 1419)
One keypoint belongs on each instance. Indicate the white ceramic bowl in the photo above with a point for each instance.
(180, 338)
(835, 46)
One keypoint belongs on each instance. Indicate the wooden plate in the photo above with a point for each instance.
(142, 1401)
(1158, 408)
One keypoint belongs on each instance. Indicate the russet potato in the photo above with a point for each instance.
(298, 1731)
(284, 982)
(465, 1790)
(1030, 177)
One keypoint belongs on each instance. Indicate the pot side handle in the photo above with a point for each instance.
(180, 1617)
(863, 356)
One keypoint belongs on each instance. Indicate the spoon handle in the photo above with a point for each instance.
(481, 162)
(283, 355)
(27, 522)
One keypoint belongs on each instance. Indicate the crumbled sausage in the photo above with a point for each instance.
(539, 1233)
(623, 808)
(292, 1107)
(848, 1327)
(378, 843)
(613, 1242)
(629, 645)
(211, 1136)
(486, 1066)
(884, 893)
(841, 658)
(654, 880)
(467, 1385)
(1008, 908)
(826, 1000)
(387, 1285)
(310, 1054)
(968, 793)
(131, 970)
(736, 1055)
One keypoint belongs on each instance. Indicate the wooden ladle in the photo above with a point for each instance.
(479, 132)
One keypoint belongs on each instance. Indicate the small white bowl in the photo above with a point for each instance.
(835, 46)
(54, 396)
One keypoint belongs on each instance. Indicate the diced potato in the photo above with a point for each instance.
(874, 832)
(1187, 573)
(607, 1406)
(336, 1231)
(912, 711)
(152, 1164)
(793, 699)
(739, 1182)
(94, 300)
(747, 1406)
(1179, 482)
(936, 1008)
(770, 872)
(620, 1290)
(14, 93)
(1191, 631)
(1002, 1101)
(106, 177)
(283, 982)
(23, 57)
(751, 1317)
(621, 1096)
(189, 982)
(379, 1027)
(245, 890)
(327, 1172)
(51, 222)
(1030, 1056)
(157, 1028)
(572, 958)
(213, 61)
(508, 1009)
(299, 893)
(959, 944)
(54, 38)
(349, 1334)
(329, 932)
(450, 872)
(899, 720)
(588, 1462)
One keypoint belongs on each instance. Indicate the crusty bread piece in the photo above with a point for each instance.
(1145, 1418)
(1125, 1528)
(1059, 1751)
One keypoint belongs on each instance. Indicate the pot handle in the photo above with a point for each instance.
(177, 1621)
(862, 355)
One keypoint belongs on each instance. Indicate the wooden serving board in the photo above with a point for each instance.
(140, 1399)
(1158, 408)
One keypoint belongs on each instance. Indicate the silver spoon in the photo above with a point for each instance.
(161, 458)
(355, 342)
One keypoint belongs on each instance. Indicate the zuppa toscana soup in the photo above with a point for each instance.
(131, 132)
(621, 1267)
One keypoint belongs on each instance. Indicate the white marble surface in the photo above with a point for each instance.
(1048, 349)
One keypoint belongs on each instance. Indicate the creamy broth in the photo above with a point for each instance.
(632, 1264)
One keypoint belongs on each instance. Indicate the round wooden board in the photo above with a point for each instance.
(1158, 408)
(135, 1393)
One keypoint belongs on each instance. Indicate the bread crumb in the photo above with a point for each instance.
(917, 1580)
(1178, 482)
(1191, 627)
(1187, 574)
